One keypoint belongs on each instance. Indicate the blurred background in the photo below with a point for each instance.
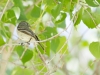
(66, 29)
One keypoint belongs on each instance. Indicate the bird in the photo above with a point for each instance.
(26, 34)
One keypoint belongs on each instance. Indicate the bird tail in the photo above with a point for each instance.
(41, 45)
(37, 39)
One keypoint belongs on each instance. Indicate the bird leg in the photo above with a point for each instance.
(29, 41)
(22, 44)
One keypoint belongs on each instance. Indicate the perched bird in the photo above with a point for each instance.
(26, 34)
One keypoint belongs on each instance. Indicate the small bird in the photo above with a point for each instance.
(26, 34)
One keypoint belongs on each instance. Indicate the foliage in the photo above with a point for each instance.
(14, 11)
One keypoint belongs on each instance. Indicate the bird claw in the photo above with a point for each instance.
(22, 44)
(28, 43)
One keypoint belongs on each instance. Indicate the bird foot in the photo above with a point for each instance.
(28, 43)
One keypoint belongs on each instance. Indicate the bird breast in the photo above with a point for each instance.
(24, 37)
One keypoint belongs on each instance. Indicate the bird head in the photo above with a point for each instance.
(23, 24)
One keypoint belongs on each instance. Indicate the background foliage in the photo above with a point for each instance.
(46, 17)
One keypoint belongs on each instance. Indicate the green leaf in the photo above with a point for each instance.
(28, 54)
(91, 3)
(94, 48)
(49, 2)
(54, 44)
(56, 10)
(90, 19)
(17, 11)
(18, 3)
(50, 5)
(62, 17)
(36, 12)
(9, 17)
(47, 48)
(78, 16)
(22, 71)
(49, 32)
(61, 44)
(1, 41)
(67, 3)
(61, 24)
(57, 44)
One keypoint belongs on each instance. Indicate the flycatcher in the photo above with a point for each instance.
(26, 34)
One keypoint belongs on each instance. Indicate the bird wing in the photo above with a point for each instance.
(31, 33)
